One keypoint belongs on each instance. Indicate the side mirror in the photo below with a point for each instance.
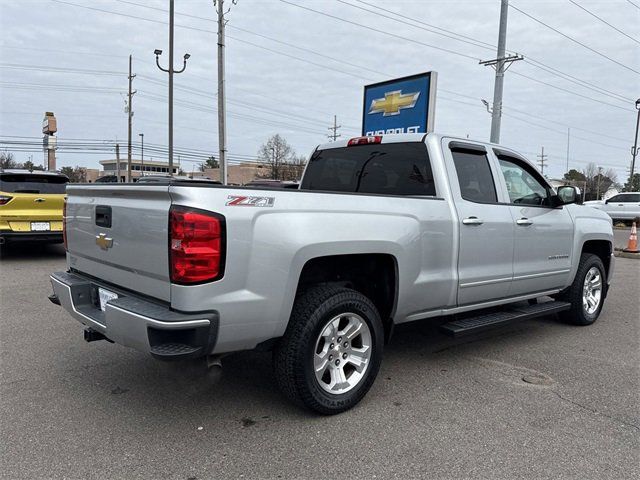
(568, 194)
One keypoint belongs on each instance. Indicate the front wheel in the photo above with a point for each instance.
(587, 292)
(331, 352)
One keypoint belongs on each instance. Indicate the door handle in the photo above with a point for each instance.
(472, 221)
(525, 222)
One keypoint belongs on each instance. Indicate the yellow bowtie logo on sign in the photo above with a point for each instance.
(393, 102)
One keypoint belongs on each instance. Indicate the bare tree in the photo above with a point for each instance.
(598, 180)
(279, 160)
(7, 160)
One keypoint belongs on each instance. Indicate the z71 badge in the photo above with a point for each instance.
(245, 201)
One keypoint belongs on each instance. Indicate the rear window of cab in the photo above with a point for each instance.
(29, 183)
(387, 169)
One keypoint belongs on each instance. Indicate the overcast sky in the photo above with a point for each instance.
(280, 79)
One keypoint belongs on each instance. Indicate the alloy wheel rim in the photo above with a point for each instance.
(592, 291)
(342, 353)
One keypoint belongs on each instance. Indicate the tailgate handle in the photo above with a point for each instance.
(103, 216)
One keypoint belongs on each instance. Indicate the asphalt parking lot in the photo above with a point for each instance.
(539, 399)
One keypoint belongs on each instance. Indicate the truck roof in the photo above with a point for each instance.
(24, 171)
(391, 138)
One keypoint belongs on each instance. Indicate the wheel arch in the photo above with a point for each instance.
(375, 275)
(602, 249)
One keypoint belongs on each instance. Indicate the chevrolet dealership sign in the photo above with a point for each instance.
(404, 105)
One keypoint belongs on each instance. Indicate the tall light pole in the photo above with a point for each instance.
(634, 149)
(171, 71)
(141, 135)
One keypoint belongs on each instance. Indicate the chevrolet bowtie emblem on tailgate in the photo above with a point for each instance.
(103, 241)
(393, 102)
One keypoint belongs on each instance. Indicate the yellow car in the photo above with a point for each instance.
(31, 205)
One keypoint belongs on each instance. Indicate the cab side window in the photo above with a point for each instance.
(523, 186)
(474, 175)
(626, 198)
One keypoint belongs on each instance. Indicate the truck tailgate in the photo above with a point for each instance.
(119, 234)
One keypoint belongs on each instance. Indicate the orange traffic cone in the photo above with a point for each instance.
(632, 246)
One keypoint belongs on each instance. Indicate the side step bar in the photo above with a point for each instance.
(487, 321)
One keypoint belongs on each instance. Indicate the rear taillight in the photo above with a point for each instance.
(4, 199)
(364, 140)
(196, 245)
(64, 223)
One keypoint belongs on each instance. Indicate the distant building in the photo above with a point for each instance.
(92, 174)
(138, 168)
(236, 174)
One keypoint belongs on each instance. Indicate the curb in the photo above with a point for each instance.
(623, 254)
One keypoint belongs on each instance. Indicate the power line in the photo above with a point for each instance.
(571, 92)
(477, 41)
(18, 66)
(431, 30)
(635, 5)
(593, 50)
(529, 114)
(311, 51)
(474, 41)
(534, 63)
(604, 21)
(578, 81)
(406, 39)
(615, 147)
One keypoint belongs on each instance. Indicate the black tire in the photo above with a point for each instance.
(578, 314)
(293, 356)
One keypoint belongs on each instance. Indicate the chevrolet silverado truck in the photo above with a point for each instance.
(383, 230)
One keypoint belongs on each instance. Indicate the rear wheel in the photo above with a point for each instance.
(587, 292)
(331, 352)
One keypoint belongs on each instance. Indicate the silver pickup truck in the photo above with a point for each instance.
(383, 230)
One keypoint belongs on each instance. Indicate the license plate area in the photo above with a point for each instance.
(40, 226)
(104, 296)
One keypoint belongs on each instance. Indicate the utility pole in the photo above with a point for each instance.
(542, 158)
(141, 135)
(634, 149)
(118, 162)
(274, 159)
(598, 183)
(568, 143)
(130, 119)
(222, 127)
(334, 135)
(499, 65)
(171, 71)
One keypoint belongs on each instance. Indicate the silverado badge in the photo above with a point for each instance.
(103, 241)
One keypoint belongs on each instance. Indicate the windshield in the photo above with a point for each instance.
(27, 183)
(391, 169)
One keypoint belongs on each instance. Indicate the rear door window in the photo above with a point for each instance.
(625, 198)
(26, 183)
(388, 169)
(474, 176)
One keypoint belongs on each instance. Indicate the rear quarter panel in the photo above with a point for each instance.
(267, 248)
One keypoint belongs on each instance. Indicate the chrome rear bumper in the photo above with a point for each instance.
(135, 322)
